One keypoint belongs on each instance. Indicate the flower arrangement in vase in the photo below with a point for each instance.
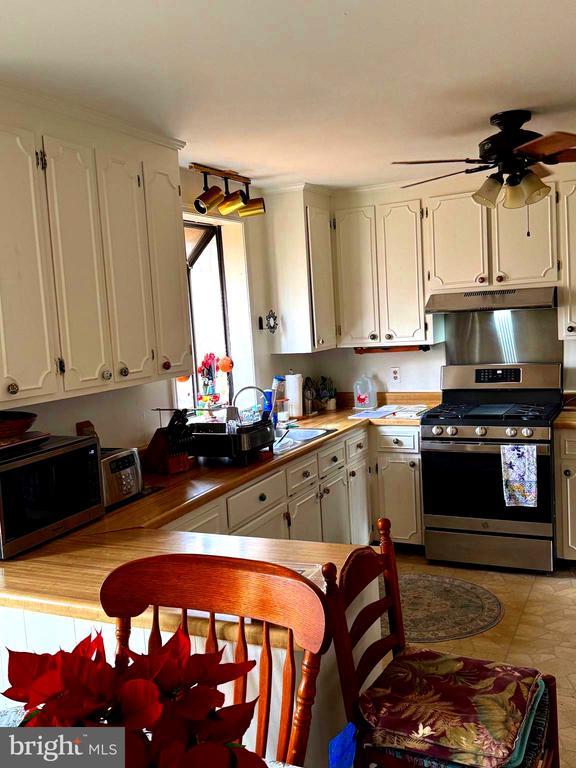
(167, 701)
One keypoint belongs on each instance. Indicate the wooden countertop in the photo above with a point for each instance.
(566, 419)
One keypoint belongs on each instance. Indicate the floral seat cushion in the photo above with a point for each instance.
(449, 708)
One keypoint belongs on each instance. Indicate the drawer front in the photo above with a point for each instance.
(302, 474)
(357, 446)
(331, 458)
(404, 439)
(568, 444)
(255, 499)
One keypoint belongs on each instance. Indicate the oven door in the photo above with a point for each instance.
(463, 490)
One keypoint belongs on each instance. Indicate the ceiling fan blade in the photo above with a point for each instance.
(425, 162)
(566, 156)
(547, 145)
(445, 176)
(540, 170)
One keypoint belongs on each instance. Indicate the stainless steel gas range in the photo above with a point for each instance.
(465, 515)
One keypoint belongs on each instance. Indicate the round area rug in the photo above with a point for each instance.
(437, 608)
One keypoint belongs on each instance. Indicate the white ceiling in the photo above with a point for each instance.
(325, 91)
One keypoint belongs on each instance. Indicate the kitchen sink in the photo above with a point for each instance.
(296, 437)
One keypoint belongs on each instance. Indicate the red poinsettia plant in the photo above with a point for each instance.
(168, 701)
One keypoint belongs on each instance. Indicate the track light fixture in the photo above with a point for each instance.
(225, 201)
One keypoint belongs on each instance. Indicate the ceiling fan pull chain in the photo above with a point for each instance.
(527, 221)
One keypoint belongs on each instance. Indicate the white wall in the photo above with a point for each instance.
(122, 418)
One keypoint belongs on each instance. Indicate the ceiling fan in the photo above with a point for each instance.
(516, 153)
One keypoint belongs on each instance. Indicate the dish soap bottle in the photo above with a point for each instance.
(364, 394)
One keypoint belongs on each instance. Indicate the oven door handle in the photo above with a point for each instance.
(449, 446)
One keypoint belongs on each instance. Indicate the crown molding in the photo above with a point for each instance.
(45, 101)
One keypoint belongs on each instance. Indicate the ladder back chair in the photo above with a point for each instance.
(418, 683)
(269, 593)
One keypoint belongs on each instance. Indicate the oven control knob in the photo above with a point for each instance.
(481, 431)
(527, 432)
(452, 431)
(437, 430)
(511, 432)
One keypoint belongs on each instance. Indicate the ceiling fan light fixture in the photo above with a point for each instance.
(534, 188)
(488, 193)
(515, 196)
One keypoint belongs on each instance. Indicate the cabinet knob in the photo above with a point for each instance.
(570, 329)
(373, 336)
(412, 464)
(326, 491)
(262, 497)
(396, 441)
(334, 459)
(306, 474)
(320, 341)
(568, 472)
(166, 365)
(106, 374)
(352, 473)
(481, 279)
(388, 336)
(124, 371)
(359, 446)
(499, 278)
(13, 388)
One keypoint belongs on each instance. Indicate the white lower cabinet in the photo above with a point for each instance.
(358, 503)
(271, 525)
(305, 516)
(566, 543)
(334, 505)
(211, 518)
(399, 495)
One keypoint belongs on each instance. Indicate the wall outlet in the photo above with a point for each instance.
(395, 373)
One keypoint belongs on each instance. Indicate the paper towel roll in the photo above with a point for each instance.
(294, 383)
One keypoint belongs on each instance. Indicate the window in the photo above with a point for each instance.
(207, 284)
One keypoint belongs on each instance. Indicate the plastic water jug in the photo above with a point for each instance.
(364, 393)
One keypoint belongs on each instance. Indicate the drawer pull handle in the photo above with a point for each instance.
(412, 464)
(570, 329)
(396, 441)
(334, 459)
(13, 388)
(568, 472)
(359, 446)
(352, 473)
(326, 491)
(262, 497)
(306, 474)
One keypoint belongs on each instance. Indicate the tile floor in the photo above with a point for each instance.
(538, 629)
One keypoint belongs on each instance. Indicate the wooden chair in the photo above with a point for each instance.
(362, 567)
(269, 593)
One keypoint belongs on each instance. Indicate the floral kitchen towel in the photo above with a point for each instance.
(519, 471)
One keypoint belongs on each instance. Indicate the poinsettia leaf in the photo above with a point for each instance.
(45, 687)
(73, 707)
(225, 673)
(170, 729)
(171, 755)
(137, 749)
(196, 703)
(140, 703)
(227, 724)
(243, 758)
(96, 677)
(25, 667)
(201, 665)
(178, 647)
(145, 666)
(203, 755)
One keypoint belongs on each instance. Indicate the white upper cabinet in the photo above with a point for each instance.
(27, 340)
(169, 270)
(123, 211)
(319, 239)
(78, 263)
(519, 257)
(455, 242)
(357, 277)
(399, 245)
(567, 242)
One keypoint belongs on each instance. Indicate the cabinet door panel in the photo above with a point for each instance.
(305, 516)
(399, 239)
(127, 267)
(523, 258)
(359, 503)
(270, 525)
(399, 496)
(455, 242)
(321, 278)
(335, 514)
(27, 338)
(568, 510)
(357, 277)
(567, 241)
(169, 271)
(78, 263)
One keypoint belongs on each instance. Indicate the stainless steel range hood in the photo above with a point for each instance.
(492, 300)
